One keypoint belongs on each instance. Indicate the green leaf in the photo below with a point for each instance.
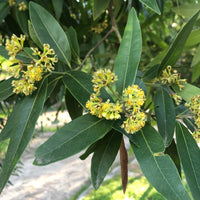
(58, 7)
(99, 7)
(175, 49)
(73, 41)
(73, 106)
(19, 128)
(159, 170)
(186, 10)
(4, 52)
(72, 138)
(190, 157)
(171, 150)
(22, 19)
(188, 91)
(4, 10)
(103, 157)
(153, 5)
(6, 89)
(165, 115)
(50, 32)
(129, 53)
(193, 39)
(34, 35)
(81, 87)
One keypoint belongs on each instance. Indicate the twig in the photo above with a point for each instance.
(114, 24)
(97, 45)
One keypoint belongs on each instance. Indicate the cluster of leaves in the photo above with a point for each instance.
(159, 155)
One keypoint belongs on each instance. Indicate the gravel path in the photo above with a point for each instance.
(57, 181)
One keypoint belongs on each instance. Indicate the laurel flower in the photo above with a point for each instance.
(14, 45)
(102, 78)
(22, 6)
(177, 98)
(172, 78)
(134, 122)
(100, 27)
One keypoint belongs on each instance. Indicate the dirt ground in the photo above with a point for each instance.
(57, 181)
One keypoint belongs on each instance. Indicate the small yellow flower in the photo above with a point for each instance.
(22, 6)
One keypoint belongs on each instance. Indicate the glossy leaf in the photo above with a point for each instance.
(129, 53)
(50, 32)
(6, 89)
(19, 128)
(165, 115)
(73, 41)
(193, 39)
(171, 150)
(81, 87)
(153, 5)
(158, 169)
(103, 157)
(175, 49)
(4, 52)
(188, 91)
(189, 153)
(34, 35)
(99, 7)
(72, 138)
(73, 106)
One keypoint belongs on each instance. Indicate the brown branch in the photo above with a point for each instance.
(124, 165)
(97, 45)
(113, 21)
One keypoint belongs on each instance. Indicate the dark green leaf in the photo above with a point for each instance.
(22, 19)
(73, 106)
(129, 53)
(34, 35)
(72, 138)
(50, 32)
(6, 89)
(175, 49)
(73, 41)
(19, 128)
(158, 169)
(4, 52)
(193, 39)
(81, 87)
(90, 150)
(171, 150)
(58, 7)
(190, 157)
(165, 115)
(152, 5)
(103, 157)
(151, 73)
(99, 7)
(190, 123)
(4, 10)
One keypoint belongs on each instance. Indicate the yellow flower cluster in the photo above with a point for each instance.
(168, 77)
(194, 106)
(176, 98)
(102, 78)
(108, 110)
(22, 6)
(31, 73)
(100, 27)
(132, 100)
(12, 2)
